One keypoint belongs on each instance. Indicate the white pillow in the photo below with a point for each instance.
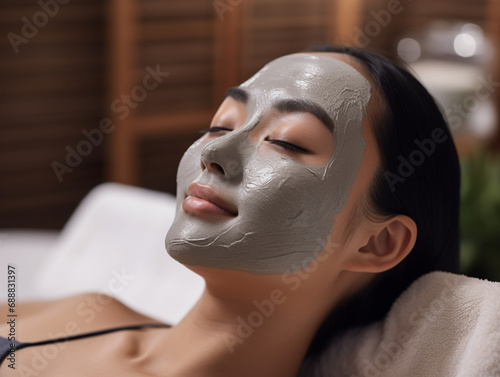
(24, 249)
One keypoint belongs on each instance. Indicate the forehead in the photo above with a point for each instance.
(320, 78)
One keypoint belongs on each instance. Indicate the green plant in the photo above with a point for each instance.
(480, 216)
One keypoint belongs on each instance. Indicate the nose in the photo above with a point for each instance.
(223, 156)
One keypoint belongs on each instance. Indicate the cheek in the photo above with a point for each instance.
(283, 192)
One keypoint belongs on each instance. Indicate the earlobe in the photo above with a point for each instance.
(387, 245)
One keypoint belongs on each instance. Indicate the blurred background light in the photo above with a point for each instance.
(465, 45)
(409, 50)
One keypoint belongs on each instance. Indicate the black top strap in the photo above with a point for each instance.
(90, 334)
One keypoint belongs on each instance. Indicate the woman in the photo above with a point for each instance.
(300, 208)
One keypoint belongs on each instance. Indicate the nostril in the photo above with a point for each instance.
(216, 166)
(212, 167)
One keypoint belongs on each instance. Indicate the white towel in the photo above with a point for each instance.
(114, 244)
(442, 325)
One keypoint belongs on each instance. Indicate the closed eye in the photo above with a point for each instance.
(214, 129)
(288, 146)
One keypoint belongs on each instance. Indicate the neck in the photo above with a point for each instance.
(249, 329)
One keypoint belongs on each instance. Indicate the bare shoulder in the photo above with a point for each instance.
(29, 308)
(69, 316)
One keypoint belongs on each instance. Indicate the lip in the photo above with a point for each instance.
(204, 199)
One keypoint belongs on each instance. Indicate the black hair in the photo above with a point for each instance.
(418, 176)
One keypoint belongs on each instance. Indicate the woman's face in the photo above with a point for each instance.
(259, 193)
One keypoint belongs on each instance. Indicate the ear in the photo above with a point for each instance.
(384, 246)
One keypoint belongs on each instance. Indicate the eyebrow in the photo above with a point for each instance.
(305, 106)
(238, 94)
(289, 106)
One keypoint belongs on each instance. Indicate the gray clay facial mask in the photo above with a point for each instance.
(285, 208)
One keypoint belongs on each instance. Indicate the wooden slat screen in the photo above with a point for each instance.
(64, 80)
(177, 35)
(50, 91)
(276, 28)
